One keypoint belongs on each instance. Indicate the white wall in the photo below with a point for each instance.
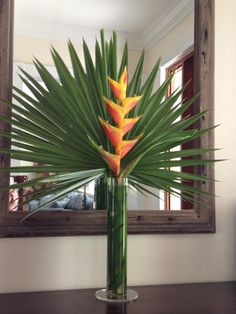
(178, 40)
(25, 48)
(173, 44)
(76, 262)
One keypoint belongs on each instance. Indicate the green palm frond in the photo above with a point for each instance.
(59, 127)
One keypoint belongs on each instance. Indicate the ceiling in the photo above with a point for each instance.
(134, 17)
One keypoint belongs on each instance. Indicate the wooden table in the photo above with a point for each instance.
(206, 298)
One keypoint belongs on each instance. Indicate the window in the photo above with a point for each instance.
(183, 73)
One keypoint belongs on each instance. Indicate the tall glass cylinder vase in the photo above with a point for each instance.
(115, 199)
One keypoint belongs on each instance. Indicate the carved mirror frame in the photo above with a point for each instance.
(56, 223)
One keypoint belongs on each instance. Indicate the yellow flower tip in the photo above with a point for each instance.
(119, 88)
(101, 120)
(115, 87)
(124, 147)
(130, 102)
(123, 81)
(105, 99)
(114, 134)
(117, 112)
(127, 124)
(113, 161)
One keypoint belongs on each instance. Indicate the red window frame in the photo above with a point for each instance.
(187, 65)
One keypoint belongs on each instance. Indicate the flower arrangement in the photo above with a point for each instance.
(95, 123)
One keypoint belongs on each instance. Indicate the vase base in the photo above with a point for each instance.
(130, 296)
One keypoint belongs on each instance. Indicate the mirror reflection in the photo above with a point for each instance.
(163, 27)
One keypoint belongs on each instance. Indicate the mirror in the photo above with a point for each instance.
(156, 26)
(140, 221)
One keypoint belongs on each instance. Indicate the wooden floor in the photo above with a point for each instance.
(207, 298)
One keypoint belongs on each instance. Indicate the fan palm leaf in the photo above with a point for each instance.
(59, 126)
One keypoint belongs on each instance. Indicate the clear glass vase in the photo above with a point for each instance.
(115, 201)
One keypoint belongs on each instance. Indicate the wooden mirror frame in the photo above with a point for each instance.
(58, 223)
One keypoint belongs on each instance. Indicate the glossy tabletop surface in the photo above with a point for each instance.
(206, 298)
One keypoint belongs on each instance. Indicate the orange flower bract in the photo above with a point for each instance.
(122, 126)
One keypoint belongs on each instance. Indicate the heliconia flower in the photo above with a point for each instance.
(113, 133)
(117, 112)
(112, 160)
(119, 88)
(125, 146)
(130, 102)
(122, 126)
(127, 124)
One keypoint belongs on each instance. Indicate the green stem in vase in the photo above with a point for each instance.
(100, 192)
(117, 237)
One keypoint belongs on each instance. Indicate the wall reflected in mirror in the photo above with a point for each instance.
(165, 28)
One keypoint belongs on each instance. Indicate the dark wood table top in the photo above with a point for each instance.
(206, 298)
